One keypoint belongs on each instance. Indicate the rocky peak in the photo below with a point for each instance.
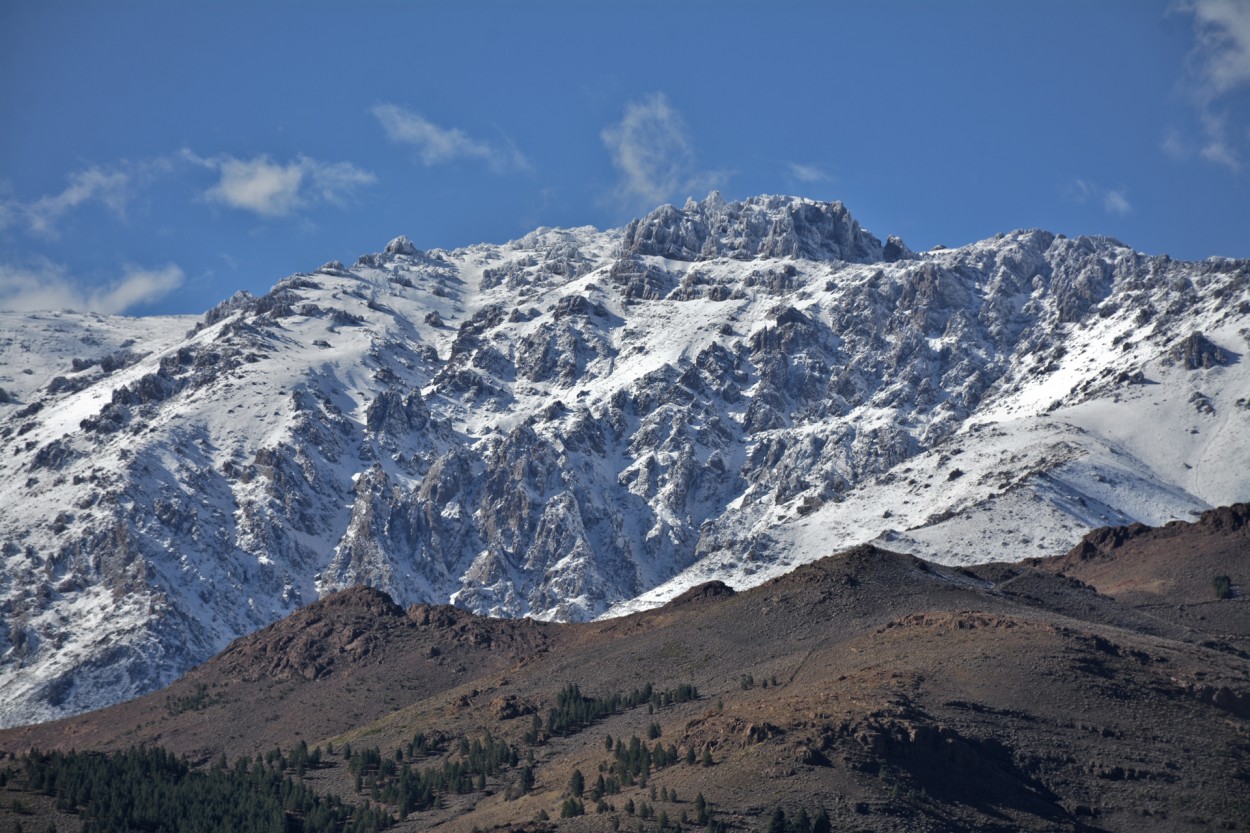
(760, 227)
(357, 599)
(401, 246)
(895, 249)
(343, 627)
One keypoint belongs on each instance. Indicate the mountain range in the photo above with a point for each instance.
(584, 423)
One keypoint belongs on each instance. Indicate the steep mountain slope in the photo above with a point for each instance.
(581, 422)
(891, 692)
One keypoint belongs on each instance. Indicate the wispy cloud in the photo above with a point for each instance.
(1113, 200)
(1174, 145)
(435, 145)
(273, 189)
(1219, 67)
(112, 186)
(1222, 47)
(48, 286)
(651, 149)
(808, 173)
(259, 185)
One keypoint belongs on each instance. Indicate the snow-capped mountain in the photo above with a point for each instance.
(583, 422)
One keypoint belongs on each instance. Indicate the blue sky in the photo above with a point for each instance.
(158, 156)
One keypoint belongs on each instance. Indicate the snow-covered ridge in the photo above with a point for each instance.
(579, 423)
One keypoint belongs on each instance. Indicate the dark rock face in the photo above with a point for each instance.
(394, 414)
(895, 250)
(1197, 352)
(708, 590)
(1228, 518)
(1105, 540)
(54, 455)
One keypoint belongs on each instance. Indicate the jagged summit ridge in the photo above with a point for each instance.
(760, 227)
(585, 421)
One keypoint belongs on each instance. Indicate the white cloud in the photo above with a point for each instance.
(808, 173)
(1222, 44)
(135, 288)
(651, 150)
(435, 145)
(1216, 146)
(258, 185)
(1113, 200)
(272, 189)
(111, 187)
(1079, 190)
(1219, 67)
(48, 286)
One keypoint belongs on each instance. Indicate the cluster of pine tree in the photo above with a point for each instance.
(701, 818)
(747, 681)
(575, 711)
(153, 790)
(633, 762)
(197, 700)
(427, 744)
(298, 760)
(393, 780)
(800, 822)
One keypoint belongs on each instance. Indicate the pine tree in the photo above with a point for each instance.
(577, 784)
